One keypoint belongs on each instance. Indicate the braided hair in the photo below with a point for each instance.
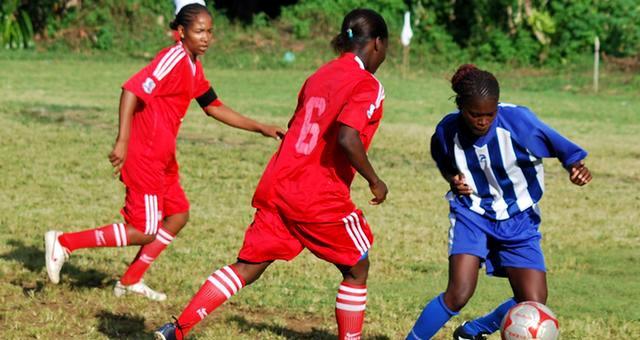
(359, 27)
(187, 15)
(471, 82)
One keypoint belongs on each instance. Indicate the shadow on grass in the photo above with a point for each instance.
(288, 333)
(122, 326)
(32, 259)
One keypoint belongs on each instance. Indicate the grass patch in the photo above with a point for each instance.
(58, 121)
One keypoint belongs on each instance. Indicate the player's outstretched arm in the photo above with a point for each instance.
(579, 174)
(128, 103)
(232, 118)
(349, 140)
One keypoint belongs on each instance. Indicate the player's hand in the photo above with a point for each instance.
(459, 186)
(272, 131)
(379, 191)
(579, 174)
(118, 156)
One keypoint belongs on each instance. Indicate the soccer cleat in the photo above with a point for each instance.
(167, 332)
(139, 288)
(461, 334)
(54, 255)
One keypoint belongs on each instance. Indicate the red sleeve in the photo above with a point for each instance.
(204, 92)
(202, 84)
(366, 97)
(152, 79)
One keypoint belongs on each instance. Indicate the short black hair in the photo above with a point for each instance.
(186, 15)
(358, 27)
(471, 82)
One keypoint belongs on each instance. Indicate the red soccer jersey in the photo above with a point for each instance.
(166, 87)
(309, 177)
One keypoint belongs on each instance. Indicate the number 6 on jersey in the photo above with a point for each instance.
(309, 132)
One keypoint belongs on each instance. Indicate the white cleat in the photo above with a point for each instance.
(54, 255)
(139, 288)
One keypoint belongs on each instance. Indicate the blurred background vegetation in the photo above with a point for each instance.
(257, 34)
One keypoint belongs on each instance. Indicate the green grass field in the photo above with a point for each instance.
(58, 121)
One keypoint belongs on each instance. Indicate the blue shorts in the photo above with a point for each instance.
(514, 242)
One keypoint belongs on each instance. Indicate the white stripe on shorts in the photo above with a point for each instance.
(347, 226)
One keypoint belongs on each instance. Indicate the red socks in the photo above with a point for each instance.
(146, 255)
(218, 288)
(112, 235)
(350, 305)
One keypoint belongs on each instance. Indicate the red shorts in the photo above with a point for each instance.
(272, 237)
(145, 211)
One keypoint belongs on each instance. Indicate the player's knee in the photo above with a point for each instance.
(251, 272)
(146, 239)
(537, 295)
(457, 296)
(357, 274)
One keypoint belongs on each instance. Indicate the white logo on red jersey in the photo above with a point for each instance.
(370, 111)
(148, 85)
(202, 312)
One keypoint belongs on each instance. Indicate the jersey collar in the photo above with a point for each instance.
(352, 56)
(359, 61)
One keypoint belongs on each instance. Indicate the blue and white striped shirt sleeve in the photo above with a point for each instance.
(543, 141)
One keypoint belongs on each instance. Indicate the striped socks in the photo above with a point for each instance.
(351, 303)
(146, 255)
(219, 287)
(112, 235)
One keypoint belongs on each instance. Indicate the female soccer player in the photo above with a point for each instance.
(491, 155)
(152, 106)
(303, 199)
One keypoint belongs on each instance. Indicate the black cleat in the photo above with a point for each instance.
(461, 334)
(166, 332)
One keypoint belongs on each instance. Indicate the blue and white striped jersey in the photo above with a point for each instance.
(503, 167)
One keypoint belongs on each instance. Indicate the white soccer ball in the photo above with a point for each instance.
(529, 321)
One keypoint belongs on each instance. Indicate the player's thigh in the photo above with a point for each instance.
(528, 284)
(176, 206)
(268, 239)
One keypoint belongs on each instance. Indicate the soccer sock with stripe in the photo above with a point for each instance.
(351, 303)
(111, 235)
(432, 318)
(146, 255)
(491, 322)
(218, 288)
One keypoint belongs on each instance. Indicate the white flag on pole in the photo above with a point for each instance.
(407, 33)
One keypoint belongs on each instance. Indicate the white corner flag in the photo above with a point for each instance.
(407, 33)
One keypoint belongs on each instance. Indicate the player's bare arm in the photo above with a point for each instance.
(128, 103)
(232, 118)
(349, 139)
(579, 174)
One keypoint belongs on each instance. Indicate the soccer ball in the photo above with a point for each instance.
(529, 321)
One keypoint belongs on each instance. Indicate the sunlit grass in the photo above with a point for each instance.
(58, 121)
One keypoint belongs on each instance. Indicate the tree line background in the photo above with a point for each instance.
(518, 32)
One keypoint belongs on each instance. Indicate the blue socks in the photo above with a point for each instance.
(432, 318)
(490, 322)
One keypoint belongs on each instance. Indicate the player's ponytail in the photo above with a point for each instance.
(187, 15)
(359, 27)
(471, 82)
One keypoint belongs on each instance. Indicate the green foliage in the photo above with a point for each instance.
(514, 31)
(16, 29)
(579, 22)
